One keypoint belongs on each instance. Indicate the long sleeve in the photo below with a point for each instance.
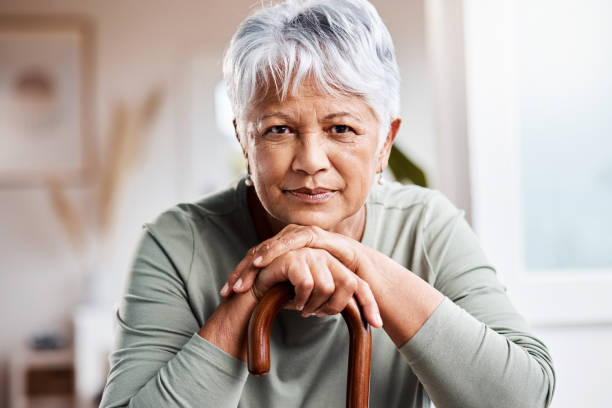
(159, 359)
(474, 351)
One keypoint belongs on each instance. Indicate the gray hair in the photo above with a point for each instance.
(342, 46)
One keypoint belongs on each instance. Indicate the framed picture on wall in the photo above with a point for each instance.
(46, 80)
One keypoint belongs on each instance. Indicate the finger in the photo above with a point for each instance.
(245, 263)
(303, 283)
(271, 275)
(245, 280)
(346, 284)
(341, 247)
(243, 276)
(368, 303)
(324, 287)
(290, 238)
(292, 268)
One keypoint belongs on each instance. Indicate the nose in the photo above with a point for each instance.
(311, 155)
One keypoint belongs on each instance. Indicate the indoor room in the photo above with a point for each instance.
(113, 112)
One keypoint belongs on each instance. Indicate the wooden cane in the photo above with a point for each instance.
(358, 380)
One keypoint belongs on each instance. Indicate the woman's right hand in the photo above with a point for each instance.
(323, 285)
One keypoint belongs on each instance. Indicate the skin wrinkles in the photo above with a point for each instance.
(310, 151)
(312, 160)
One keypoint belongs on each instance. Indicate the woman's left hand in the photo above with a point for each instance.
(352, 254)
(405, 300)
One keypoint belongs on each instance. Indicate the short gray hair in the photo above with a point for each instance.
(341, 45)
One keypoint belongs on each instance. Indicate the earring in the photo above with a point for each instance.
(248, 181)
(381, 180)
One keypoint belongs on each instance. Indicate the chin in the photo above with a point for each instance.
(310, 218)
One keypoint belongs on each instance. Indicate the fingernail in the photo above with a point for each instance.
(319, 314)
(238, 284)
(257, 260)
(224, 289)
(300, 307)
(378, 319)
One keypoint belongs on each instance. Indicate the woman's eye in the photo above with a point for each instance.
(341, 129)
(279, 130)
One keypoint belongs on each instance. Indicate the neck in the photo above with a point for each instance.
(267, 226)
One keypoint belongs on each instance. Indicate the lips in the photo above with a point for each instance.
(311, 195)
(312, 191)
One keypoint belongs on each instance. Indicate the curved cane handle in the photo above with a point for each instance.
(358, 384)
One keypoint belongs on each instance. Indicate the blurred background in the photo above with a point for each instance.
(112, 111)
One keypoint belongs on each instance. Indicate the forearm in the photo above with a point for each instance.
(199, 375)
(207, 371)
(463, 362)
(405, 300)
(227, 327)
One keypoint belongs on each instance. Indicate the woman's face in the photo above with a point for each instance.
(313, 157)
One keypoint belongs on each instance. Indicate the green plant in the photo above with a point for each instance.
(404, 170)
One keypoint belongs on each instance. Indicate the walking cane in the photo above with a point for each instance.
(358, 384)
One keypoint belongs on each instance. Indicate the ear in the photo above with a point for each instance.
(385, 150)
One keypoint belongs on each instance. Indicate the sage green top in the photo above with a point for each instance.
(474, 351)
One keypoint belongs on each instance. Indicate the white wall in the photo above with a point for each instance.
(139, 45)
(581, 357)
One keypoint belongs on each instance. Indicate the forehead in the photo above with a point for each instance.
(310, 101)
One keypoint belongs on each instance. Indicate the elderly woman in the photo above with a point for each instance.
(314, 87)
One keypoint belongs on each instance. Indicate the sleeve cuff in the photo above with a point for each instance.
(223, 361)
(426, 341)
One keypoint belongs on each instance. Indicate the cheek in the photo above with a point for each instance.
(270, 163)
(357, 162)
(357, 167)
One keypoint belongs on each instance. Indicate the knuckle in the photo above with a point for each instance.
(306, 284)
(285, 242)
(327, 288)
(293, 256)
(287, 228)
(348, 281)
(301, 280)
(365, 286)
(351, 283)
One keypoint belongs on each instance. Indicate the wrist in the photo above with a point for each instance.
(227, 327)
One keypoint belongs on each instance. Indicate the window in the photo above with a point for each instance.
(540, 128)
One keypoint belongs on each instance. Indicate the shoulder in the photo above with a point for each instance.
(411, 199)
(186, 219)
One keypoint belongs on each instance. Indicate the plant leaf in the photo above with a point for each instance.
(404, 170)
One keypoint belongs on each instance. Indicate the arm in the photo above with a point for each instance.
(159, 359)
(463, 338)
(475, 349)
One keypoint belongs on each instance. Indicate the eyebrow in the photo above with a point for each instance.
(275, 114)
(339, 114)
(288, 118)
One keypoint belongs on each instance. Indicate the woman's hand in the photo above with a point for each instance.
(324, 280)
(323, 285)
(404, 300)
(349, 252)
